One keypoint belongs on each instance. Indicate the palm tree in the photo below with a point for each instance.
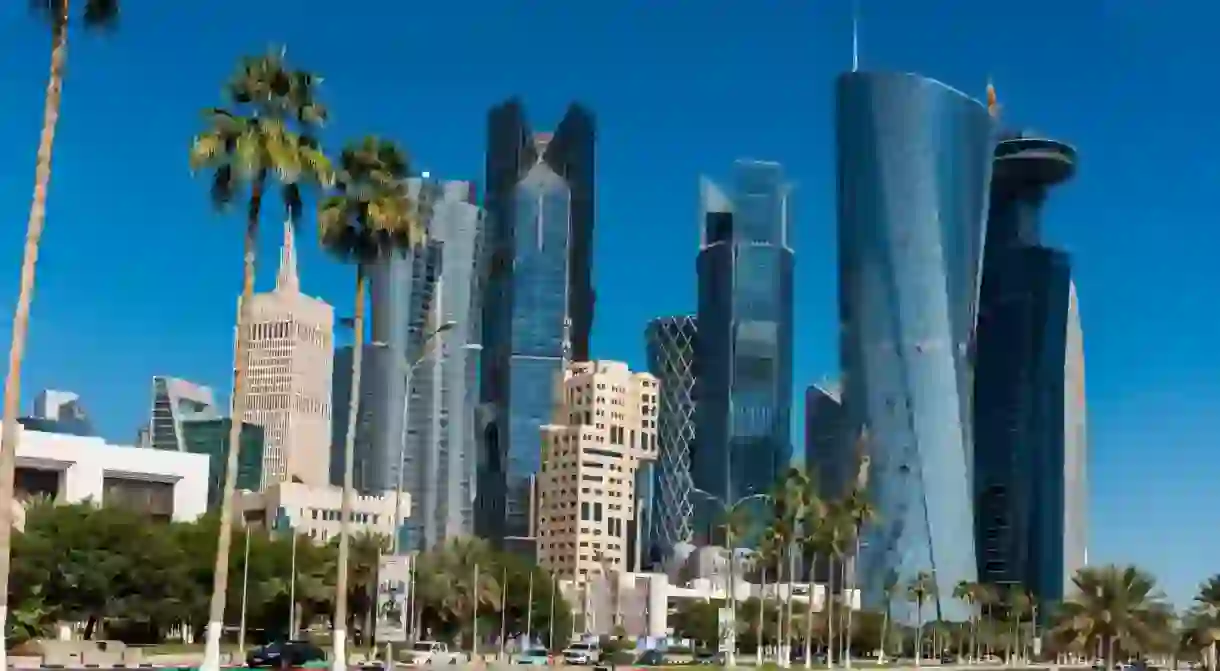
(890, 588)
(861, 512)
(967, 593)
(832, 541)
(815, 518)
(1114, 608)
(96, 14)
(1207, 622)
(245, 147)
(1019, 603)
(988, 597)
(789, 505)
(370, 216)
(918, 591)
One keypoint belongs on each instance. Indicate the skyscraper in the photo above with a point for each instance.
(174, 403)
(58, 412)
(1075, 449)
(914, 163)
(744, 386)
(414, 293)
(289, 376)
(538, 301)
(670, 343)
(1022, 410)
(830, 453)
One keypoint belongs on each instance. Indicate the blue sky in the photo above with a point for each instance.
(138, 277)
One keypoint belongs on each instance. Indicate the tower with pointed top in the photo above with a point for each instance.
(289, 370)
(537, 302)
(744, 350)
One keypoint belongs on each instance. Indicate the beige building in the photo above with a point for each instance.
(290, 365)
(604, 425)
(313, 511)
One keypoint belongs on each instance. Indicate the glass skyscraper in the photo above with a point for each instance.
(413, 293)
(830, 447)
(670, 343)
(914, 164)
(744, 349)
(538, 303)
(1021, 410)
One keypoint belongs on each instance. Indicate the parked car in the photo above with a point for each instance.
(582, 654)
(534, 657)
(432, 652)
(284, 654)
(651, 658)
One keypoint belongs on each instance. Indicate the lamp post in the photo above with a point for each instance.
(727, 510)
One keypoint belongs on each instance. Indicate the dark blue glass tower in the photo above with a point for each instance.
(537, 303)
(744, 349)
(914, 164)
(1019, 406)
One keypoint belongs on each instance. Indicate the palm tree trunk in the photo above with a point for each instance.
(851, 595)
(788, 606)
(220, 574)
(919, 633)
(830, 613)
(25, 297)
(813, 571)
(843, 633)
(339, 638)
(762, 611)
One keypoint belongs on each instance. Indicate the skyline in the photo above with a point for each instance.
(188, 322)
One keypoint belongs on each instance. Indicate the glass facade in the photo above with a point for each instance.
(211, 437)
(914, 164)
(744, 349)
(830, 452)
(1021, 422)
(537, 302)
(670, 343)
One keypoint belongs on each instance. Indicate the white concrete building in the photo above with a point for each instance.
(604, 427)
(72, 469)
(313, 511)
(290, 363)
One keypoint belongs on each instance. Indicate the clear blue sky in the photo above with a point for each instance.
(138, 277)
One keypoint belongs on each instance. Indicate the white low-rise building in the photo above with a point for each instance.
(313, 511)
(72, 469)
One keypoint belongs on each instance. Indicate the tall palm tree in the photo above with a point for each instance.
(97, 13)
(1019, 603)
(918, 591)
(788, 501)
(890, 589)
(988, 597)
(1207, 622)
(834, 537)
(265, 134)
(1114, 608)
(967, 592)
(815, 517)
(370, 216)
(860, 511)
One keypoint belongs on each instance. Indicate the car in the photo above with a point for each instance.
(423, 653)
(582, 654)
(651, 658)
(533, 657)
(708, 658)
(284, 654)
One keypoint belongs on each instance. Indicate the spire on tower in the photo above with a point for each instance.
(287, 279)
(855, 35)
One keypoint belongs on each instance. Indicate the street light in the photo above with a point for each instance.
(728, 510)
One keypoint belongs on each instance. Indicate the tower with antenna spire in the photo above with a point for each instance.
(289, 370)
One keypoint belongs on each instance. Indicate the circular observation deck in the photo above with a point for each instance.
(1033, 159)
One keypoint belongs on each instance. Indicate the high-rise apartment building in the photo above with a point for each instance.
(670, 343)
(288, 376)
(1023, 416)
(176, 402)
(604, 429)
(830, 452)
(914, 164)
(537, 304)
(744, 386)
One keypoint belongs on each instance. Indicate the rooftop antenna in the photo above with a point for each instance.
(855, 35)
(993, 103)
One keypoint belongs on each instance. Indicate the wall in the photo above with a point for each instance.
(85, 461)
